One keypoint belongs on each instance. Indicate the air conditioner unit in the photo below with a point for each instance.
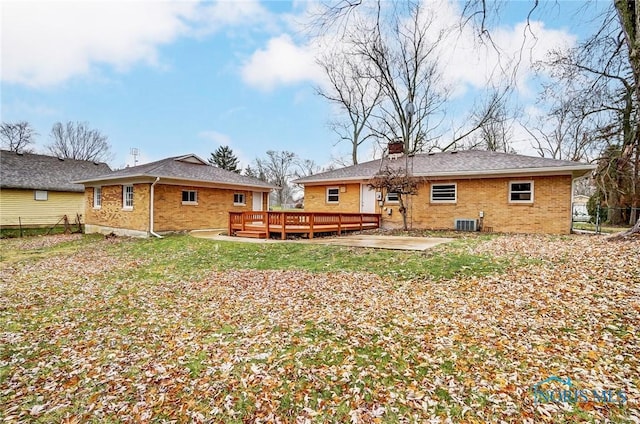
(466, 225)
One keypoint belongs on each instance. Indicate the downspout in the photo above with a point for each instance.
(151, 209)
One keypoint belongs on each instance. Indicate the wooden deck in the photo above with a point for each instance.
(261, 224)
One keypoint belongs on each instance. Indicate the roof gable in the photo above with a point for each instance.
(191, 158)
(30, 171)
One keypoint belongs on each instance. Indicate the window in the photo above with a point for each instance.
(333, 195)
(97, 197)
(127, 197)
(521, 192)
(393, 197)
(444, 193)
(238, 199)
(189, 197)
(41, 195)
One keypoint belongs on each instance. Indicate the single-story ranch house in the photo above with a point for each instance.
(464, 190)
(37, 190)
(174, 194)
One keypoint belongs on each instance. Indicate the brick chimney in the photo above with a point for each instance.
(396, 147)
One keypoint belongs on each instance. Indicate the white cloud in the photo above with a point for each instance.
(230, 13)
(47, 42)
(218, 138)
(282, 62)
(25, 108)
(465, 62)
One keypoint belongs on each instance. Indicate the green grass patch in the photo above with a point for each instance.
(187, 257)
(588, 226)
(34, 231)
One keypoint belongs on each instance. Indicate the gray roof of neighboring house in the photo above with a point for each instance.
(39, 172)
(452, 164)
(189, 168)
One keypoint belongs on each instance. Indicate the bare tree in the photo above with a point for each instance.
(600, 88)
(495, 133)
(401, 49)
(396, 180)
(398, 47)
(78, 141)
(491, 124)
(17, 136)
(567, 131)
(355, 94)
(306, 168)
(629, 16)
(278, 169)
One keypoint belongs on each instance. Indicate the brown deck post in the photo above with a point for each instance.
(311, 221)
(267, 219)
(339, 224)
(361, 219)
(283, 236)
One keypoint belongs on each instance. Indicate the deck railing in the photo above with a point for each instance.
(301, 222)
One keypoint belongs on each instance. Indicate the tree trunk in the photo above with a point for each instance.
(614, 211)
(354, 153)
(625, 234)
(403, 211)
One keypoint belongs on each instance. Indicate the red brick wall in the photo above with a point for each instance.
(549, 213)
(112, 214)
(315, 198)
(212, 210)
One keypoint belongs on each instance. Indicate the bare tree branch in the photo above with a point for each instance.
(78, 141)
(17, 136)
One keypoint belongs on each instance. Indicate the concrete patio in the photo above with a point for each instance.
(356, 240)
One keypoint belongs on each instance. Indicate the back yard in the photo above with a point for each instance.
(191, 330)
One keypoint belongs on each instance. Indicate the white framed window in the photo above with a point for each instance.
(41, 195)
(393, 197)
(239, 199)
(127, 197)
(520, 191)
(97, 197)
(333, 195)
(189, 197)
(444, 193)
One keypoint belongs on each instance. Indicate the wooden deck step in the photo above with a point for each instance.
(251, 234)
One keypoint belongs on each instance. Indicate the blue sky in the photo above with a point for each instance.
(171, 78)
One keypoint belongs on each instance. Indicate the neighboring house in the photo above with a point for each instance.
(470, 190)
(580, 210)
(37, 190)
(174, 194)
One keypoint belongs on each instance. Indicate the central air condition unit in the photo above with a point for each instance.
(466, 225)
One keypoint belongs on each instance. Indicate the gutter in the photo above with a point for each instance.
(516, 172)
(151, 209)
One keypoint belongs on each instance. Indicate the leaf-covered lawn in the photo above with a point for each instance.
(101, 331)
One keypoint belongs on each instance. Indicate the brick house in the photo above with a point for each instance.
(37, 190)
(175, 194)
(467, 190)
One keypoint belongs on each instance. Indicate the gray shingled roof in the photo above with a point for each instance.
(182, 168)
(450, 164)
(39, 172)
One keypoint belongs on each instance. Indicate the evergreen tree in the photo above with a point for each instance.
(224, 158)
(250, 172)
